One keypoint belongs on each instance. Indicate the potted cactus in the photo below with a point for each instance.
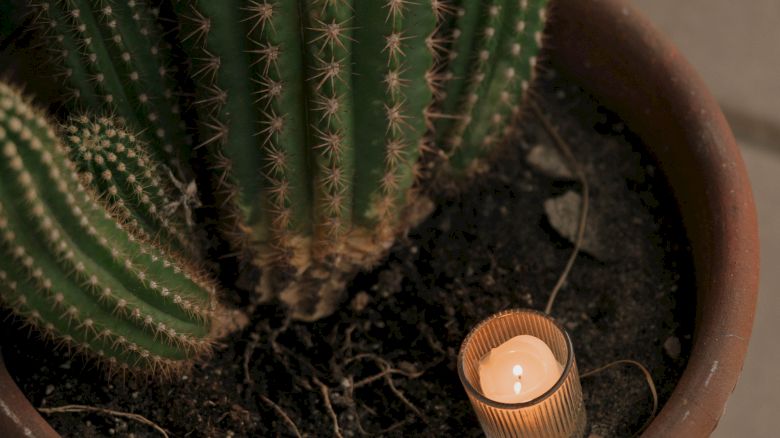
(314, 132)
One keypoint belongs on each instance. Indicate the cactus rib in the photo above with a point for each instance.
(511, 74)
(79, 273)
(329, 45)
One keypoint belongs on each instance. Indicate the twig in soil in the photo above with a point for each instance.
(384, 365)
(427, 331)
(326, 397)
(276, 332)
(284, 416)
(347, 345)
(577, 169)
(82, 408)
(382, 374)
(382, 432)
(248, 352)
(403, 398)
(648, 377)
(387, 373)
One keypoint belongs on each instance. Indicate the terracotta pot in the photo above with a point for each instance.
(18, 418)
(616, 54)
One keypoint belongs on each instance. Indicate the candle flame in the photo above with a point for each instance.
(517, 371)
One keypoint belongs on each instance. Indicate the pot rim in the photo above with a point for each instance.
(18, 417)
(617, 54)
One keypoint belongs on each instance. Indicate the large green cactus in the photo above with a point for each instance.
(321, 113)
(71, 270)
(316, 114)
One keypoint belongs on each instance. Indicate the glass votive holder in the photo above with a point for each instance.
(557, 413)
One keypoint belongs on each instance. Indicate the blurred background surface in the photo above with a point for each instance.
(735, 46)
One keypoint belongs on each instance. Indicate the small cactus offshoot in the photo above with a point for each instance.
(116, 165)
(72, 271)
(317, 114)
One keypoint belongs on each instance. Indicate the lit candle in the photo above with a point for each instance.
(520, 375)
(519, 370)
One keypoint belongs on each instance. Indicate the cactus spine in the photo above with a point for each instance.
(115, 164)
(316, 114)
(72, 271)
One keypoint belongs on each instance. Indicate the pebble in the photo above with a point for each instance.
(407, 367)
(563, 213)
(672, 347)
(547, 160)
(360, 301)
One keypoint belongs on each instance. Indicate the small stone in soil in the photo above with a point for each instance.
(547, 160)
(360, 301)
(672, 347)
(563, 212)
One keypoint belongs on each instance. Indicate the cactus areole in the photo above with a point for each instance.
(317, 114)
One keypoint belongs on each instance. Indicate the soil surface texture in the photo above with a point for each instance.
(385, 364)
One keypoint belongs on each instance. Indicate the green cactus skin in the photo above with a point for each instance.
(316, 114)
(117, 166)
(507, 43)
(75, 273)
(114, 58)
(320, 111)
(318, 141)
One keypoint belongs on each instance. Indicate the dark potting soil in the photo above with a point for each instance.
(385, 364)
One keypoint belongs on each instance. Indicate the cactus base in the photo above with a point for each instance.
(312, 287)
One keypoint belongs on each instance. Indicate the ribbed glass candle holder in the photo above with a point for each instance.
(557, 413)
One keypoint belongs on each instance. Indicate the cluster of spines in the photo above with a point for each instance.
(481, 68)
(253, 116)
(491, 65)
(329, 76)
(74, 272)
(394, 81)
(115, 59)
(116, 165)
